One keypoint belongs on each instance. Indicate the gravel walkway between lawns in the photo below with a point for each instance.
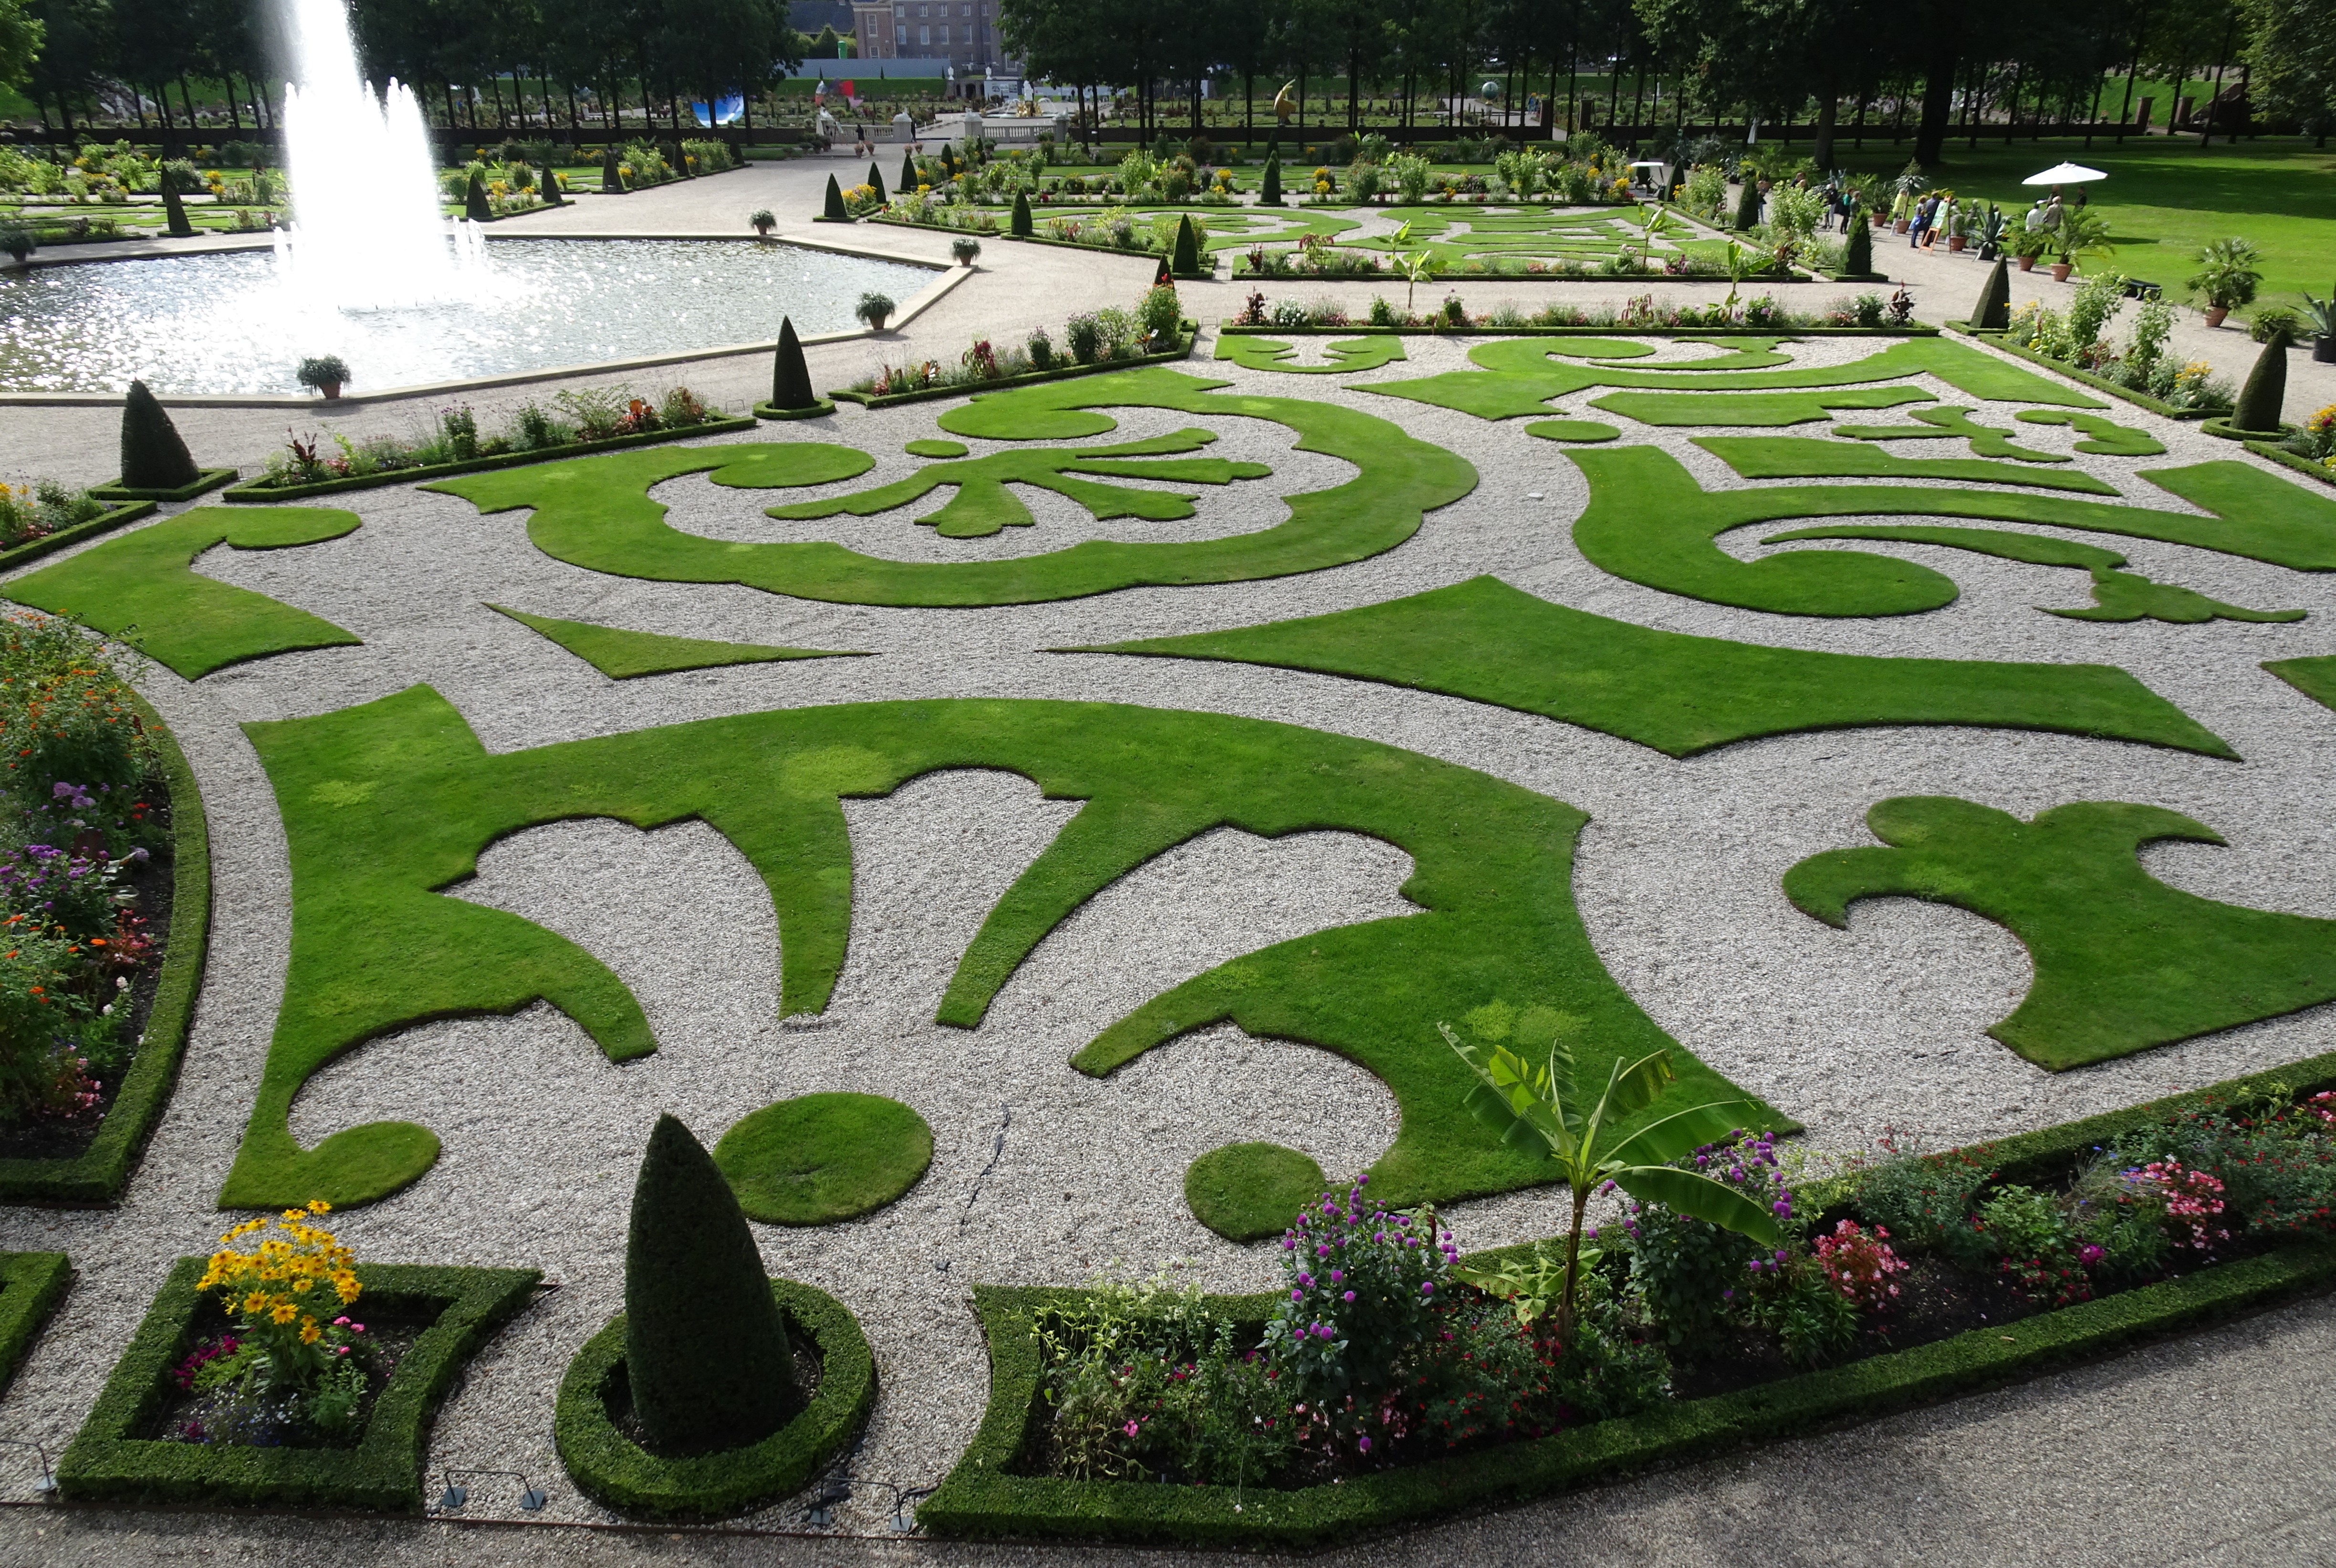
(1677, 882)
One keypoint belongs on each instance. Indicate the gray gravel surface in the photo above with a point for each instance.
(1677, 880)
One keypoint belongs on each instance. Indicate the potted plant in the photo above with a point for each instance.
(2319, 315)
(2081, 236)
(875, 309)
(1990, 228)
(326, 373)
(966, 249)
(2027, 244)
(764, 222)
(2229, 273)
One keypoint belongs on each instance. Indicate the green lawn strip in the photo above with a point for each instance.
(1572, 430)
(388, 801)
(2314, 677)
(596, 513)
(31, 1286)
(1248, 1191)
(1518, 377)
(1680, 695)
(113, 1459)
(2123, 961)
(106, 521)
(2101, 437)
(1950, 424)
(1751, 408)
(2116, 595)
(613, 1469)
(816, 1159)
(1649, 521)
(989, 1493)
(192, 623)
(622, 654)
(99, 1173)
(1265, 354)
(980, 504)
(1813, 457)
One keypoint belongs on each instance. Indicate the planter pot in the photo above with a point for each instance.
(1987, 253)
(1880, 220)
(1955, 242)
(2215, 314)
(2027, 264)
(1899, 226)
(329, 390)
(2061, 270)
(876, 323)
(763, 231)
(2323, 350)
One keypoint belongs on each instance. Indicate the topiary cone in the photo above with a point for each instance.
(1994, 306)
(1857, 255)
(547, 185)
(1270, 188)
(153, 457)
(1186, 258)
(790, 376)
(476, 206)
(908, 172)
(1021, 224)
(174, 210)
(876, 178)
(1748, 205)
(2264, 396)
(611, 180)
(705, 1350)
(835, 212)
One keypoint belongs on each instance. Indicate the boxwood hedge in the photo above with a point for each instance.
(31, 1285)
(113, 1459)
(612, 1468)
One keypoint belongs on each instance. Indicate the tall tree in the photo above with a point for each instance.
(2292, 61)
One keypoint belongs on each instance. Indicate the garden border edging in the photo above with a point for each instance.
(252, 494)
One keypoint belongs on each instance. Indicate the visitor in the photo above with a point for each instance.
(2052, 224)
(1914, 230)
(1942, 217)
(2035, 216)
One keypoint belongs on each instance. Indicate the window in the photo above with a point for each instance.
(924, 36)
(944, 34)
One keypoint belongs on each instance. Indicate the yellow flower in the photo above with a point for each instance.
(310, 1333)
(255, 1302)
(302, 1286)
(284, 1314)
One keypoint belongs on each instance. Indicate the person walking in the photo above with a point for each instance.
(1914, 230)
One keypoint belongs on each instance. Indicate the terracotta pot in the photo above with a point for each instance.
(2061, 270)
(1902, 223)
(2027, 264)
(329, 390)
(1955, 242)
(2215, 314)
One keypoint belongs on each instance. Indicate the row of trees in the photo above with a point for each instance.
(1949, 61)
(73, 56)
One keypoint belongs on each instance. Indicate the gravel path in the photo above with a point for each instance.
(1041, 1175)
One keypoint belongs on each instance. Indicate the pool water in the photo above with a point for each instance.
(231, 322)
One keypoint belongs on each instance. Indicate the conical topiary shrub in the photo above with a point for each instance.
(1857, 255)
(1186, 260)
(174, 210)
(876, 180)
(1021, 224)
(1748, 205)
(547, 185)
(1994, 306)
(908, 173)
(949, 162)
(790, 376)
(153, 456)
(476, 206)
(835, 212)
(2264, 395)
(1270, 188)
(705, 1350)
(612, 178)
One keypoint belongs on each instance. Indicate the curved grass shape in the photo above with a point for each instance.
(1583, 430)
(1813, 457)
(817, 1159)
(2116, 595)
(191, 623)
(2123, 961)
(2102, 437)
(935, 449)
(2314, 677)
(1948, 424)
(1680, 695)
(1248, 1191)
(1651, 522)
(596, 513)
(1519, 377)
(385, 802)
(622, 654)
(1751, 408)
(1352, 355)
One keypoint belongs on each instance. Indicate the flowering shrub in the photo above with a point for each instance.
(1361, 1284)
(2193, 1200)
(2316, 437)
(1860, 1265)
(35, 510)
(278, 1295)
(1695, 1273)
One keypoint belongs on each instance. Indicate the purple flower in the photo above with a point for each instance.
(1297, 1295)
(1322, 1330)
(1337, 1276)
(1347, 1296)
(1782, 1207)
(1321, 1248)
(1307, 1280)
(1288, 1244)
(1364, 1444)
(1428, 1288)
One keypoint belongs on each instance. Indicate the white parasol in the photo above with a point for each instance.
(2065, 174)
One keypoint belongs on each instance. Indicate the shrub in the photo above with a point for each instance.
(1361, 1283)
(1161, 312)
(153, 456)
(1084, 335)
(706, 1351)
(1041, 349)
(2264, 395)
(2275, 322)
(320, 371)
(2229, 273)
(277, 1296)
(1692, 1272)
(1862, 1267)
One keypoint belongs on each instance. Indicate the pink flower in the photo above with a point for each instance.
(1130, 1428)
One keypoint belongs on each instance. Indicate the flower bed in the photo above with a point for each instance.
(120, 1454)
(1868, 314)
(1109, 339)
(608, 1465)
(580, 422)
(39, 519)
(2140, 371)
(109, 906)
(1136, 1414)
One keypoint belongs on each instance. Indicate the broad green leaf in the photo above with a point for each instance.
(1670, 1136)
(1633, 1088)
(1702, 1197)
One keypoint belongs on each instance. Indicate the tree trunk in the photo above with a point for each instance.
(1939, 88)
(1827, 112)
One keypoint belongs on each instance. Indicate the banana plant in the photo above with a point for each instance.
(1418, 266)
(1540, 1110)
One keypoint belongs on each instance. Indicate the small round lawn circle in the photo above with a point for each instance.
(816, 1159)
(935, 449)
(1248, 1191)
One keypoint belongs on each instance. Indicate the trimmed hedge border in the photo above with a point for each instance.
(256, 493)
(982, 1497)
(31, 1285)
(96, 1175)
(106, 521)
(1155, 257)
(1476, 330)
(205, 479)
(109, 1462)
(768, 410)
(2286, 459)
(1993, 337)
(612, 1468)
(2221, 426)
(1064, 373)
